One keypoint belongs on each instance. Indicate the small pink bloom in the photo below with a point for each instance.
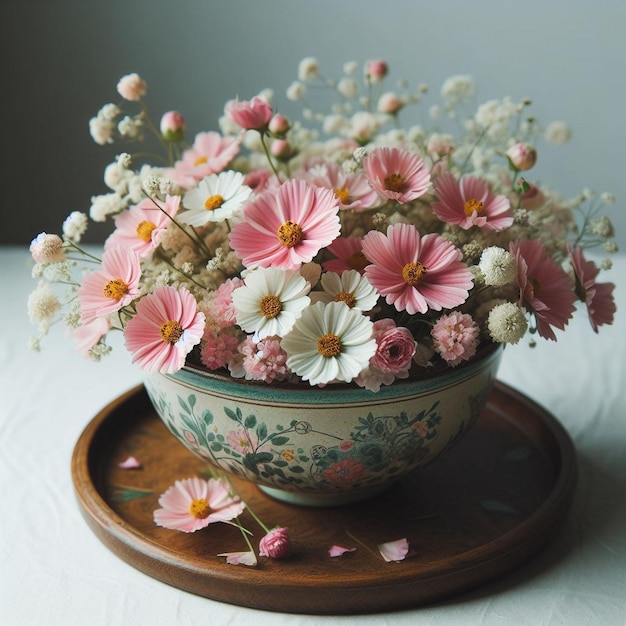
(142, 227)
(282, 150)
(346, 445)
(193, 503)
(47, 248)
(396, 173)
(349, 253)
(352, 190)
(165, 329)
(254, 114)
(395, 348)
(416, 273)
(114, 286)
(335, 550)
(172, 126)
(522, 156)
(257, 180)
(394, 551)
(132, 87)
(276, 544)
(264, 360)
(240, 558)
(210, 154)
(376, 69)
(389, 103)
(469, 202)
(218, 349)
(598, 297)
(286, 227)
(456, 337)
(130, 463)
(242, 440)
(544, 287)
(279, 124)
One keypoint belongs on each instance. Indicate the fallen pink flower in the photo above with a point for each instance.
(130, 463)
(339, 550)
(275, 544)
(394, 550)
(240, 558)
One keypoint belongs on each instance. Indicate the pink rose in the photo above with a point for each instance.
(250, 115)
(396, 347)
(522, 156)
(275, 544)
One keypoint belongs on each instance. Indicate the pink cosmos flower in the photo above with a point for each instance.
(394, 551)
(544, 287)
(456, 337)
(335, 550)
(286, 227)
(469, 202)
(167, 326)
(275, 544)
(142, 227)
(395, 348)
(352, 190)
(254, 114)
(210, 154)
(193, 503)
(416, 273)
(114, 286)
(598, 297)
(396, 173)
(349, 253)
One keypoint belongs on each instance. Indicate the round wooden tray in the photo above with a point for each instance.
(481, 510)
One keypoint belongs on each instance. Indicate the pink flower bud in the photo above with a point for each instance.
(377, 69)
(281, 149)
(275, 544)
(132, 87)
(389, 103)
(250, 115)
(172, 126)
(522, 156)
(279, 124)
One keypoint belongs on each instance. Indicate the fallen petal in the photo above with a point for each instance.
(240, 558)
(394, 550)
(130, 463)
(339, 550)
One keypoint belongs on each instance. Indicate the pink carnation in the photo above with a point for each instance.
(544, 287)
(598, 297)
(456, 337)
(222, 309)
(275, 544)
(395, 348)
(250, 115)
(396, 173)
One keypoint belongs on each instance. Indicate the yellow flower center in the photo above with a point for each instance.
(413, 273)
(347, 297)
(171, 331)
(473, 205)
(199, 508)
(358, 261)
(329, 345)
(395, 182)
(115, 289)
(213, 202)
(290, 234)
(343, 195)
(270, 306)
(144, 230)
(200, 160)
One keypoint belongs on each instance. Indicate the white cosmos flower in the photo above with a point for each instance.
(270, 301)
(217, 197)
(351, 287)
(329, 342)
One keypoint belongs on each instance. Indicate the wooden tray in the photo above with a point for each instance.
(481, 510)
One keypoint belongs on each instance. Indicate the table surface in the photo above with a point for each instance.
(55, 571)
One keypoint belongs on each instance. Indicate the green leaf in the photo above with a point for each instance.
(261, 431)
(183, 405)
(296, 469)
(207, 416)
(192, 400)
(250, 421)
(263, 457)
(279, 441)
(230, 413)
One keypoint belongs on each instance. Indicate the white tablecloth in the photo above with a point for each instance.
(53, 570)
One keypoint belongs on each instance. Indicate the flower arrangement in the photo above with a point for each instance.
(338, 247)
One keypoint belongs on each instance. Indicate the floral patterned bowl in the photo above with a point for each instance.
(321, 446)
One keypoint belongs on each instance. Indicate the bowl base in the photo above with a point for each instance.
(320, 500)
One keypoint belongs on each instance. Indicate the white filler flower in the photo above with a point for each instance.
(507, 323)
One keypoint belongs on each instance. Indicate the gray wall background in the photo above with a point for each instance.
(61, 59)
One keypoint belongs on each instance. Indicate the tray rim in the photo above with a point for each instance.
(157, 561)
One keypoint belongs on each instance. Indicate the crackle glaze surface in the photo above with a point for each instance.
(321, 446)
